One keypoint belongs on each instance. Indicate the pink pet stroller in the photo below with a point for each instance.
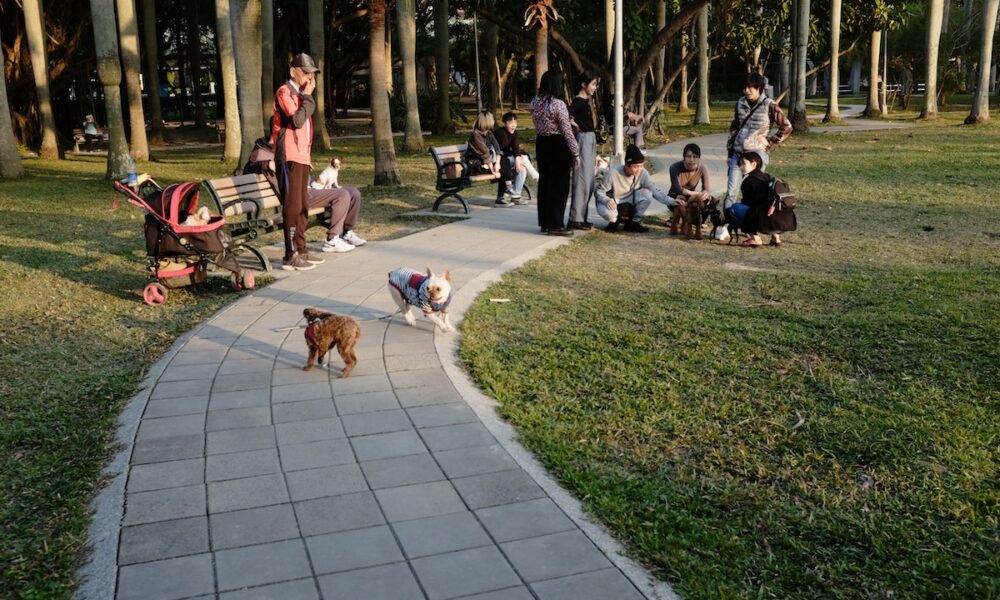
(179, 252)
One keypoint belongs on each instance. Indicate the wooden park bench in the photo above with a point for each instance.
(252, 208)
(81, 143)
(453, 177)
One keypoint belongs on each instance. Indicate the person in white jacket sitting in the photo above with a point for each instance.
(629, 183)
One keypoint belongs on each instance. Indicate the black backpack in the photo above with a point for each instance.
(781, 195)
(781, 212)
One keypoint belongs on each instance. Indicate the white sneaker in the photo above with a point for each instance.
(354, 239)
(337, 244)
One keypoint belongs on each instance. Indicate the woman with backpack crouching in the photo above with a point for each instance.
(751, 214)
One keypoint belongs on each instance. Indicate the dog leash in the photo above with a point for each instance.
(382, 318)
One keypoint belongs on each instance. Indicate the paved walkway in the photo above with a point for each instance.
(244, 477)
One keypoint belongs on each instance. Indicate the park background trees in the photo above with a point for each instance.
(199, 71)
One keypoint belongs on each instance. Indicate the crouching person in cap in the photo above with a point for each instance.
(626, 191)
(291, 136)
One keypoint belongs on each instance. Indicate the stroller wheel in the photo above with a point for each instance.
(154, 294)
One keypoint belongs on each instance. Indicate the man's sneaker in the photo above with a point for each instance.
(354, 239)
(313, 259)
(296, 263)
(337, 244)
(503, 202)
(612, 227)
(516, 199)
(636, 227)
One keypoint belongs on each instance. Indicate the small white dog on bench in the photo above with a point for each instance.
(431, 293)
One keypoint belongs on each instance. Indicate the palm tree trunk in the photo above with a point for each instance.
(442, 67)
(981, 103)
(317, 48)
(10, 158)
(128, 32)
(109, 71)
(800, 122)
(541, 52)
(406, 25)
(34, 24)
(386, 171)
(224, 46)
(609, 28)
(873, 109)
(267, 60)
(702, 112)
(194, 64)
(682, 104)
(832, 104)
(246, 46)
(150, 42)
(491, 87)
(935, 19)
(661, 22)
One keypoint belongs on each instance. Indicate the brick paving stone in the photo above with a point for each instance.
(171, 426)
(387, 445)
(309, 431)
(238, 418)
(250, 492)
(296, 376)
(407, 348)
(164, 505)
(172, 407)
(354, 549)
(164, 539)
(412, 362)
(166, 449)
(261, 564)
(181, 389)
(442, 414)
(419, 500)
(449, 437)
(242, 399)
(177, 473)
(252, 352)
(240, 440)
(596, 585)
(362, 384)
(295, 392)
(327, 481)
(554, 555)
(238, 465)
(494, 489)
(465, 572)
(524, 519)
(186, 372)
(463, 462)
(437, 535)
(350, 404)
(426, 396)
(255, 365)
(376, 422)
(307, 410)
(338, 513)
(238, 382)
(417, 378)
(401, 470)
(386, 582)
(300, 589)
(312, 455)
(169, 579)
(199, 357)
(253, 526)
(369, 366)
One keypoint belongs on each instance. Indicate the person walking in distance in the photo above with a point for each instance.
(557, 152)
(291, 136)
(582, 118)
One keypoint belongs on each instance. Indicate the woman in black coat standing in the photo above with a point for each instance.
(557, 151)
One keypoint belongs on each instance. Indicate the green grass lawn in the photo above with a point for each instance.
(75, 337)
(815, 421)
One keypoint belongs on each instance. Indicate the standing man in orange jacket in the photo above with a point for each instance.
(291, 135)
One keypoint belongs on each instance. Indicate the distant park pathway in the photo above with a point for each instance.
(243, 477)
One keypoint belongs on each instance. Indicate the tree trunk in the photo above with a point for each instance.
(386, 171)
(800, 122)
(661, 22)
(267, 86)
(784, 69)
(151, 36)
(833, 91)
(644, 61)
(609, 28)
(702, 112)
(935, 18)
(224, 46)
(406, 25)
(109, 72)
(967, 18)
(194, 65)
(491, 88)
(442, 67)
(541, 53)
(682, 103)
(10, 158)
(34, 25)
(247, 48)
(317, 49)
(981, 103)
(873, 108)
(388, 51)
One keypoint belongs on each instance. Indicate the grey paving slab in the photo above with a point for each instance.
(237, 465)
(218, 341)
(164, 505)
(442, 393)
(401, 470)
(368, 366)
(326, 481)
(181, 389)
(524, 519)
(237, 382)
(172, 407)
(517, 593)
(361, 384)
(164, 539)
(253, 365)
(420, 500)
(249, 492)
(449, 437)
(311, 455)
(354, 549)
(407, 348)
(261, 564)
(177, 473)
(170, 448)
(387, 445)
(252, 352)
(296, 376)
(386, 582)
(349, 404)
(437, 535)
(240, 440)
(494, 489)
(240, 399)
(301, 589)
(169, 579)
(199, 357)
(309, 431)
(464, 573)
(554, 555)
(338, 513)
(463, 462)
(402, 379)
(172, 426)
(308, 390)
(238, 418)
(595, 585)
(376, 422)
(307, 410)
(412, 362)
(442, 414)
(253, 526)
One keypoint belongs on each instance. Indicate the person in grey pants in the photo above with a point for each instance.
(582, 119)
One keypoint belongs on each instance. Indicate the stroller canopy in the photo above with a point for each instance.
(175, 203)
